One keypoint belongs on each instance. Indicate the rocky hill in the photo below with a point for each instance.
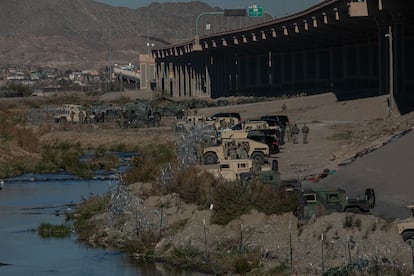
(85, 33)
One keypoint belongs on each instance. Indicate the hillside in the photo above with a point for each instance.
(79, 33)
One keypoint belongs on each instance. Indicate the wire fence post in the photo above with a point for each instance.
(412, 259)
(349, 249)
(290, 245)
(241, 239)
(161, 214)
(322, 257)
(205, 241)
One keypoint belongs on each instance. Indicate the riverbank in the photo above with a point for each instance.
(166, 227)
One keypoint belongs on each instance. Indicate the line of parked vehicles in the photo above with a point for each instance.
(129, 115)
(247, 150)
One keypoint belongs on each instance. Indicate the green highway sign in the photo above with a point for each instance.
(255, 11)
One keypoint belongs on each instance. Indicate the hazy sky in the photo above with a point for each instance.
(277, 8)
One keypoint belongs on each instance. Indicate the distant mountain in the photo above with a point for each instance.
(79, 34)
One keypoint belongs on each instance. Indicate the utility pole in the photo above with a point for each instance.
(391, 67)
(110, 57)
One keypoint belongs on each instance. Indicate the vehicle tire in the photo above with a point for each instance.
(353, 210)
(210, 158)
(370, 195)
(179, 114)
(157, 116)
(259, 157)
(408, 237)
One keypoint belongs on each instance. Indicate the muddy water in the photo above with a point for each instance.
(26, 203)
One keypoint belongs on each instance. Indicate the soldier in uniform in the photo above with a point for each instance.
(199, 153)
(305, 131)
(233, 150)
(295, 133)
(256, 168)
(81, 117)
(241, 151)
(72, 116)
(288, 132)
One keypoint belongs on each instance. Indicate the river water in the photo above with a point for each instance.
(26, 203)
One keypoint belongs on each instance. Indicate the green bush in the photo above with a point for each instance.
(94, 205)
(194, 186)
(233, 199)
(186, 255)
(47, 230)
(63, 156)
(241, 265)
(147, 165)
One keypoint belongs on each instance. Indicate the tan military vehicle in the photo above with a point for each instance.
(235, 145)
(74, 113)
(406, 227)
(254, 125)
(231, 169)
(221, 123)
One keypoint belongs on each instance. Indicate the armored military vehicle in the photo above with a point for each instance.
(319, 201)
(235, 145)
(232, 169)
(135, 115)
(168, 108)
(74, 113)
(406, 227)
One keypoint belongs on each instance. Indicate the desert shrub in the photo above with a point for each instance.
(47, 230)
(12, 129)
(26, 139)
(281, 269)
(144, 244)
(63, 156)
(104, 161)
(358, 223)
(231, 200)
(121, 147)
(186, 255)
(194, 186)
(18, 167)
(176, 226)
(87, 209)
(241, 265)
(265, 199)
(348, 222)
(146, 166)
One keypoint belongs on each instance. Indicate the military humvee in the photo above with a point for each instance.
(406, 227)
(232, 169)
(235, 145)
(245, 170)
(138, 114)
(74, 113)
(190, 121)
(221, 123)
(168, 108)
(319, 201)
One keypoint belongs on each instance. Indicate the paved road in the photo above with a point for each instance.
(389, 170)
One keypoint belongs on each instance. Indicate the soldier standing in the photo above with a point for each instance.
(81, 116)
(295, 133)
(305, 131)
(199, 153)
(282, 134)
(233, 150)
(72, 116)
(288, 132)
